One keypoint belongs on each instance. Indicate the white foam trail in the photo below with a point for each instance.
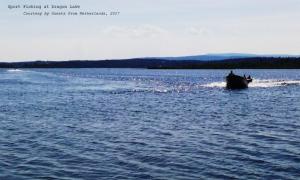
(14, 70)
(262, 83)
(273, 83)
(215, 85)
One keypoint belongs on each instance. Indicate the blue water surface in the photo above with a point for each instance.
(148, 124)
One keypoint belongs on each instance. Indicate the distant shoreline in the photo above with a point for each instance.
(155, 63)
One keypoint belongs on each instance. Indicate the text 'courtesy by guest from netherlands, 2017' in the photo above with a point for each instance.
(58, 10)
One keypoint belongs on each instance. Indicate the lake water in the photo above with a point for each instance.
(148, 124)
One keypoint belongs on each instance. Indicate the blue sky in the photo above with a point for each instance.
(151, 28)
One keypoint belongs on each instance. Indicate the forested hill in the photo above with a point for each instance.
(241, 63)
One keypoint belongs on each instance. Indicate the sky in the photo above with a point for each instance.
(150, 28)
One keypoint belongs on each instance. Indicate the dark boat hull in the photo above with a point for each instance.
(237, 82)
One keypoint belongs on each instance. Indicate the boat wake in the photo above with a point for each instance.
(259, 83)
(273, 83)
(215, 85)
(14, 70)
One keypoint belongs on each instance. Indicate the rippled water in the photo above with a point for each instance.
(148, 124)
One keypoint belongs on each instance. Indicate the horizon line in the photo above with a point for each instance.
(247, 55)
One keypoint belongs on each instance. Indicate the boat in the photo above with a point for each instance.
(237, 82)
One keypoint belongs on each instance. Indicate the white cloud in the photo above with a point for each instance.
(141, 31)
(198, 31)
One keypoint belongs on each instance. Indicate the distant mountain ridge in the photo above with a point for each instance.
(224, 56)
(203, 57)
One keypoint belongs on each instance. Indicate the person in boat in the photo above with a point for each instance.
(237, 82)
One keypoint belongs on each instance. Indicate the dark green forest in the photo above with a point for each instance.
(242, 63)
